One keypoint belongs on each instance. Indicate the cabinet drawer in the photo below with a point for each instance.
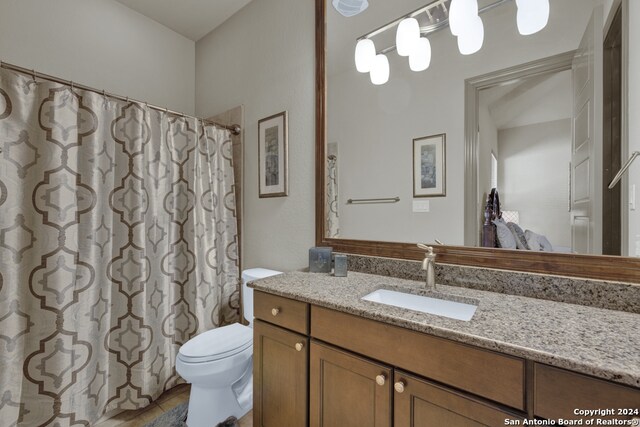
(559, 392)
(482, 372)
(282, 311)
(419, 403)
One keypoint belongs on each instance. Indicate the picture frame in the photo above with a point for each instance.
(273, 167)
(429, 166)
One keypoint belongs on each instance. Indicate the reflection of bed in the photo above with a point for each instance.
(502, 230)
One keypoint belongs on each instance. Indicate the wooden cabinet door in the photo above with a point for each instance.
(279, 377)
(419, 403)
(347, 390)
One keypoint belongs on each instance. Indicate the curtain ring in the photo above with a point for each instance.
(34, 74)
(71, 84)
(127, 100)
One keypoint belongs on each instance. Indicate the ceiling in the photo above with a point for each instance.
(536, 99)
(192, 18)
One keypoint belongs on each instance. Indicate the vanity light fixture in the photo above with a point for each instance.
(471, 39)
(461, 14)
(420, 56)
(380, 69)
(463, 19)
(466, 24)
(532, 16)
(365, 54)
(407, 35)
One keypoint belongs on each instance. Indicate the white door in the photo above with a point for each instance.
(586, 153)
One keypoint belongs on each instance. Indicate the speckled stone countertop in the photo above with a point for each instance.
(594, 341)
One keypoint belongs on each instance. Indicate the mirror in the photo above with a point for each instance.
(369, 136)
(415, 159)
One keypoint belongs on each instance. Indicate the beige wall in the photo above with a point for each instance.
(103, 44)
(533, 176)
(487, 144)
(263, 58)
(634, 123)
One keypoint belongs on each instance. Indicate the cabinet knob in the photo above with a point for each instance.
(399, 386)
(381, 379)
(299, 346)
(275, 311)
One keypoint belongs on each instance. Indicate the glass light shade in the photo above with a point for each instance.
(406, 35)
(533, 16)
(461, 14)
(349, 8)
(380, 70)
(420, 56)
(471, 39)
(365, 53)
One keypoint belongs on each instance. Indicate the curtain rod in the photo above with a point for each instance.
(235, 129)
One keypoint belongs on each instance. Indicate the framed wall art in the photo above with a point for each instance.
(429, 166)
(273, 169)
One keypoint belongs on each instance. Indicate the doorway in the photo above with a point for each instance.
(612, 138)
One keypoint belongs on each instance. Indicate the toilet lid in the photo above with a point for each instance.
(217, 344)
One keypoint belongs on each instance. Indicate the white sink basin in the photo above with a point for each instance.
(439, 307)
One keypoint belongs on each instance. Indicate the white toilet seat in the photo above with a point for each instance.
(216, 344)
(218, 365)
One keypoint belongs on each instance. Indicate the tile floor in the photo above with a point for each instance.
(169, 400)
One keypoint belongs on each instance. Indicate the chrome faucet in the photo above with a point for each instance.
(429, 264)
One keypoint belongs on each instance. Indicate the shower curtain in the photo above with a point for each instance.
(117, 244)
(333, 222)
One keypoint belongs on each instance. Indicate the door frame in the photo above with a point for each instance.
(473, 86)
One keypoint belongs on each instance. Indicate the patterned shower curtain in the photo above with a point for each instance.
(117, 244)
(333, 221)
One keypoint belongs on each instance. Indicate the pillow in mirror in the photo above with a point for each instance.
(506, 238)
(518, 233)
(538, 242)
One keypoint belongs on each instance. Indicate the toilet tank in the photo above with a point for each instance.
(247, 293)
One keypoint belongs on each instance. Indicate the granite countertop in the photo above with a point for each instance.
(594, 341)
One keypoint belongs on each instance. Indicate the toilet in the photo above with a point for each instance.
(219, 365)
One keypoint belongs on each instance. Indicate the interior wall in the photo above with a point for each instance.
(264, 58)
(533, 176)
(633, 177)
(102, 44)
(488, 143)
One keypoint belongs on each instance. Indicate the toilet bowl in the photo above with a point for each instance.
(219, 365)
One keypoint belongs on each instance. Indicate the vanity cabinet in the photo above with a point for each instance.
(420, 403)
(484, 373)
(559, 392)
(347, 390)
(279, 377)
(318, 367)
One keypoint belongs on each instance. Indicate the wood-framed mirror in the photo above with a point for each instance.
(463, 149)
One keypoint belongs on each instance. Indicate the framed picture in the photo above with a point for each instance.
(273, 169)
(429, 166)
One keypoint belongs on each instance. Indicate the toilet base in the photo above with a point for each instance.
(210, 406)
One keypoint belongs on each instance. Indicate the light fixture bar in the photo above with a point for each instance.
(426, 29)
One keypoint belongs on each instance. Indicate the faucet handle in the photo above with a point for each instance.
(429, 249)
